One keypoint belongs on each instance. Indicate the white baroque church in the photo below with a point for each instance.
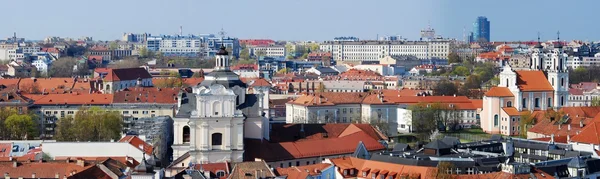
(214, 118)
(545, 85)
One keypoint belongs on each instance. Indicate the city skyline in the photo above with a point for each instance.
(315, 20)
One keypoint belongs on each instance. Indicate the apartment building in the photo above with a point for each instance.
(268, 51)
(375, 50)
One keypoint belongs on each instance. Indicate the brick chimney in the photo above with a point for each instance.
(33, 175)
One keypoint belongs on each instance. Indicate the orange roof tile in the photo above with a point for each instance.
(499, 92)
(125, 74)
(71, 99)
(533, 81)
(41, 170)
(5, 149)
(146, 95)
(577, 116)
(477, 103)
(300, 172)
(589, 135)
(138, 143)
(511, 111)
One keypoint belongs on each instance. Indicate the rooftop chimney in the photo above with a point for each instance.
(552, 138)
(569, 127)
(80, 162)
(559, 125)
(581, 124)
(56, 175)
(33, 175)
(6, 176)
(568, 138)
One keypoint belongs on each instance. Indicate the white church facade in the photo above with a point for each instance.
(544, 86)
(213, 119)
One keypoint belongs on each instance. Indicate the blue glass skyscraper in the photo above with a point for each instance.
(481, 29)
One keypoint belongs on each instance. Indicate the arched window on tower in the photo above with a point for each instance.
(186, 134)
(217, 139)
(507, 84)
(562, 101)
(562, 82)
(496, 120)
(509, 104)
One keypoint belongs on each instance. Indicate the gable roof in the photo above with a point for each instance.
(138, 143)
(577, 116)
(533, 81)
(146, 95)
(71, 99)
(589, 135)
(499, 92)
(249, 170)
(126, 74)
(302, 172)
(308, 148)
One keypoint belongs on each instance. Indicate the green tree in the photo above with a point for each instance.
(460, 71)
(453, 58)
(445, 88)
(5, 112)
(422, 119)
(284, 70)
(35, 73)
(21, 126)
(313, 47)
(304, 56)
(144, 52)
(321, 87)
(244, 53)
(91, 124)
(113, 45)
(527, 121)
(595, 101)
(63, 67)
(65, 130)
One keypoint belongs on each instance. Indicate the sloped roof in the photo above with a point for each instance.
(71, 99)
(146, 95)
(301, 172)
(246, 170)
(533, 81)
(589, 135)
(577, 115)
(126, 74)
(499, 92)
(308, 148)
(138, 143)
(511, 111)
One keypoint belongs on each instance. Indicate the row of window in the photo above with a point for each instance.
(137, 112)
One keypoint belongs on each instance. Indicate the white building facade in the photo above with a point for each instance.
(375, 50)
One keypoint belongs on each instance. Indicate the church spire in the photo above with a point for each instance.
(558, 43)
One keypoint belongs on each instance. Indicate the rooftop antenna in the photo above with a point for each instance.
(539, 38)
(558, 36)
(180, 30)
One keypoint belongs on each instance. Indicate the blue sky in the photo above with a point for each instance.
(299, 20)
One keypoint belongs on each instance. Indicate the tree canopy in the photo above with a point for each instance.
(21, 126)
(90, 124)
(445, 88)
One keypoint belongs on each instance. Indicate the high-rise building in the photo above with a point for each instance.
(481, 29)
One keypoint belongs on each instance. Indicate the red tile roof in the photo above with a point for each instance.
(213, 168)
(41, 170)
(533, 81)
(589, 135)
(71, 99)
(309, 148)
(359, 74)
(52, 85)
(557, 139)
(5, 149)
(577, 115)
(511, 111)
(477, 103)
(499, 92)
(138, 143)
(574, 91)
(146, 95)
(330, 98)
(302, 172)
(126, 74)
(320, 140)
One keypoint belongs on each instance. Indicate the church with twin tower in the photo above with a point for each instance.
(545, 85)
(214, 117)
